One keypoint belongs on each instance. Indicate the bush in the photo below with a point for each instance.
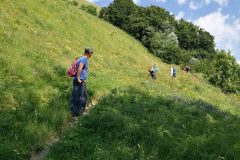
(89, 9)
(162, 44)
(73, 2)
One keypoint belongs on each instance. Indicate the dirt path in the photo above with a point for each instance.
(40, 155)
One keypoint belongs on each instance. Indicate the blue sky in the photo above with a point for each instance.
(219, 17)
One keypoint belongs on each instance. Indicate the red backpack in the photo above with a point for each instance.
(72, 71)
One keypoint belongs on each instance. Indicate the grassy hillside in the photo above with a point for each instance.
(135, 118)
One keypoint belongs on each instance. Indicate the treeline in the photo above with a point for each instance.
(176, 41)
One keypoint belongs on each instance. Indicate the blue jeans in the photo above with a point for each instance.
(79, 98)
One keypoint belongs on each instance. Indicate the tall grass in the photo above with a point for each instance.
(39, 40)
(132, 124)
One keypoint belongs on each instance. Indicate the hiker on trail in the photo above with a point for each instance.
(187, 68)
(79, 95)
(173, 72)
(153, 71)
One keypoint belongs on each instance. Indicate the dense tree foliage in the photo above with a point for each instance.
(175, 41)
(155, 17)
(226, 73)
(192, 37)
(118, 12)
(162, 44)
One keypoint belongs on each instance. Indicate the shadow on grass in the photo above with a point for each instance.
(130, 124)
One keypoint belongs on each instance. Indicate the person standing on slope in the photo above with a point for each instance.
(173, 72)
(187, 68)
(153, 71)
(79, 95)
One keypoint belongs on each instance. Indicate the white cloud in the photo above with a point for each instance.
(225, 31)
(136, 1)
(181, 1)
(207, 2)
(180, 15)
(194, 6)
(161, 1)
(220, 2)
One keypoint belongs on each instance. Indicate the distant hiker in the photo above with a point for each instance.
(153, 71)
(173, 72)
(187, 68)
(79, 95)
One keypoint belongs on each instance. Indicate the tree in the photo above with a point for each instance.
(227, 73)
(206, 41)
(104, 13)
(162, 44)
(192, 37)
(155, 17)
(118, 12)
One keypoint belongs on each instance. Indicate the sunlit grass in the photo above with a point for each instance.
(39, 40)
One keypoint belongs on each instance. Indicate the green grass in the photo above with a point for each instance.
(38, 42)
(133, 124)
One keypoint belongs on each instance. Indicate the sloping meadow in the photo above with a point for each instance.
(133, 124)
(38, 42)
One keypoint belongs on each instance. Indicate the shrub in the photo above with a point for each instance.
(89, 9)
(162, 44)
(73, 2)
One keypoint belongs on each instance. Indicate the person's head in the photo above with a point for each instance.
(88, 52)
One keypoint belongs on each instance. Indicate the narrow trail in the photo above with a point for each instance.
(40, 155)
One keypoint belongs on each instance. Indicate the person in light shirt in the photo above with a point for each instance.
(79, 95)
(153, 71)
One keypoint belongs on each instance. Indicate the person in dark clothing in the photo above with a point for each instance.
(79, 95)
(153, 71)
(187, 68)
